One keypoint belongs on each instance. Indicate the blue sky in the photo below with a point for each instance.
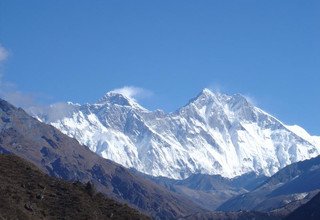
(77, 50)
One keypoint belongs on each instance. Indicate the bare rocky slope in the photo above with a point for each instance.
(28, 193)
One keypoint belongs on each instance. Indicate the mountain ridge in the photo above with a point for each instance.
(295, 183)
(209, 135)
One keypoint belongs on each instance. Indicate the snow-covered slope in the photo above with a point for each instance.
(315, 140)
(214, 134)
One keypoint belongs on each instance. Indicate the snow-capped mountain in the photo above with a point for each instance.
(213, 134)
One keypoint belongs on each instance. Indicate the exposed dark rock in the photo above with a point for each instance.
(51, 142)
(44, 197)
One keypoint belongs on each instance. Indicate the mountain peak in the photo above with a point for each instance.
(205, 96)
(121, 99)
(213, 94)
(206, 91)
(115, 98)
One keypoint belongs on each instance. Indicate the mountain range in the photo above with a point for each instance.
(214, 133)
(198, 196)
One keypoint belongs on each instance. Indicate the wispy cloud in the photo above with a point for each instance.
(9, 91)
(133, 92)
(219, 88)
(251, 99)
(215, 87)
(3, 53)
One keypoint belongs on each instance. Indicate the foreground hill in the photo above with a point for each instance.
(63, 157)
(28, 193)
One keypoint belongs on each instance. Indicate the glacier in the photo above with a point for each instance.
(214, 133)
